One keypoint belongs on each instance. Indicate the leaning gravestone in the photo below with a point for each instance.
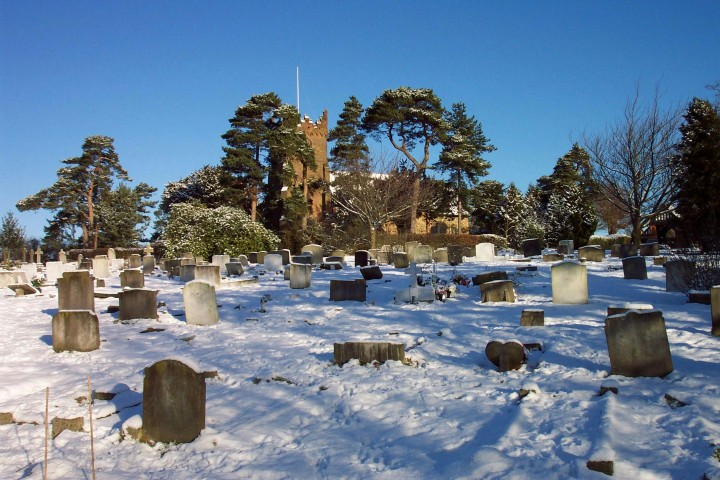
(316, 251)
(531, 247)
(200, 303)
(634, 268)
(400, 260)
(484, 252)
(132, 279)
(138, 303)
(300, 275)
(481, 278)
(440, 255)
(173, 402)
(76, 291)
(566, 247)
(455, 254)
(148, 264)
(506, 356)
(101, 266)
(591, 253)
(75, 331)
(569, 283)
(715, 310)
(354, 290)
(638, 344)
(497, 291)
(243, 259)
(367, 352)
(210, 273)
(371, 272)
(362, 258)
(678, 274)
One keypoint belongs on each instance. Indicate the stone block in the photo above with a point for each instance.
(76, 291)
(200, 303)
(300, 275)
(316, 251)
(21, 289)
(303, 259)
(187, 272)
(362, 258)
(634, 268)
(506, 356)
(173, 402)
(368, 352)
(371, 273)
(440, 255)
(273, 262)
(566, 247)
(699, 296)
(234, 268)
(532, 318)
(327, 265)
(400, 260)
(101, 266)
(138, 303)
(354, 290)
(638, 344)
(553, 257)
(243, 261)
(531, 247)
(132, 279)
(135, 261)
(569, 283)
(220, 261)
(591, 253)
(489, 277)
(649, 249)
(484, 252)
(497, 291)
(75, 331)
(253, 257)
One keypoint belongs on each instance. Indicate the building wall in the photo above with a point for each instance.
(316, 133)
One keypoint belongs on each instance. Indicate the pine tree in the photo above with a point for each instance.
(12, 236)
(124, 214)
(512, 212)
(486, 201)
(350, 151)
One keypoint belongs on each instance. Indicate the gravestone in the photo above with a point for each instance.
(101, 266)
(531, 247)
(261, 257)
(187, 272)
(300, 275)
(302, 259)
(414, 292)
(367, 352)
(362, 258)
(53, 271)
(627, 250)
(383, 257)
(30, 269)
(569, 283)
(316, 251)
(638, 344)
(566, 247)
(220, 261)
(148, 264)
(338, 253)
(173, 406)
(148, 250)
(553, 257)
(135, 261)
(484, 252)
(285, 254)
(455, 254)
(591, 253)
(210, 273)
(112, 256)
(506, 356)
(489, 277)
(440, 255)
(244, 261)
(200, 303)
(234, 268)
(410, 250)
(334, 259)
(38, 256)
(659, 260)
(715, 310)
(400, 260)
(353, 290)
(423, 254)
(371, 273)
(132, 279)
(330, 265)
(634, 268)
(138, 303)
(649, 249)
(62, 256)
(253, 257)
(626, 307)
(273, 262)
(532, 318)
(76, 291)
(75, 331)
(9, 278)
(86, 264)
(497, 291)
(678, 274)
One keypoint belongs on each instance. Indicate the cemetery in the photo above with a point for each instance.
(282, 365)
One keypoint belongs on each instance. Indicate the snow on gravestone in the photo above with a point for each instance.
(101, 266)
(634, 268)
(300, 275)
(200, 303)
(76, 291)
(132, 279)
(138, 303)
(569, 283)
(638, 344)
(173, 407)
(484, 252)
(366, 352)
(75, 331)
(506, 356)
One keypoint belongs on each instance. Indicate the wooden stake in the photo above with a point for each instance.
(47, 402)
(92, 442)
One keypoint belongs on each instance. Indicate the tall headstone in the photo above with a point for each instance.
(440, 255)
(75, 331)
(678, 274)
(76, 291)
(53, 271)
(220, 261)
(410, 250)
(148, 266)
(210, 273)
(300, 275)
(715, 309)
(112, 256)
(135, 261)
(362, 258)
(62, 256)
(138, 303)
(101, 266)
(423, 254)
(634, 268)
(173, 402)
(187, 272)
(569, 283)
(531, 247)
(317, 253)
(132, 279)
(638, 344)
(484, 252)
(200, 303)
(400, 260)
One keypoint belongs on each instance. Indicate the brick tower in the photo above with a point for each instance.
(316, 133)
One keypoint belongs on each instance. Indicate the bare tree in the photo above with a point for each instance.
(631, 161)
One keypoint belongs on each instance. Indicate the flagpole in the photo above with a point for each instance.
(297, 86)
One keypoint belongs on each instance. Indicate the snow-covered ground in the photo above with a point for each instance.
(450, 414)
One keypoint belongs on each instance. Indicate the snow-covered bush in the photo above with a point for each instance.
(607, 241)
(212, 231)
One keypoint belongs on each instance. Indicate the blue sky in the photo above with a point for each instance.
(163, 77)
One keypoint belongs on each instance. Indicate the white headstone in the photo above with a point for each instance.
(53, 271)
(273, 262)
(484, 252)
(111, 255)
(300, 275)
(200, 303)
(569, 283)
(101, 266)
(220, 261)
(30, 270)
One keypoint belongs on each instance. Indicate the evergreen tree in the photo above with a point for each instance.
(124, 214)
(486, 201)
(698, 163)
(12, 236)
(350, 151)
(80, 186)
(461, 155)
(512, 215)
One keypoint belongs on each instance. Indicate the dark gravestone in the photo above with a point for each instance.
(173, 267)
(532, 318)
(455, 254)
(76, 291)
(331, 265)
(678, 274)
(497, 291)
(627, 250)
(506, 356)
(234, 268)
(649, 249)
(553, 257)
(531, 247)
(362, 258)
(367, 352)
(400, 260)
(253, 257)
(638, 344)
(715, 310)
(634, 268)
(138, 303)
(132, 279)
(489, 277)
(173, 402)
(75, 331)
(615, 250)
(341, 290)
(371, 273)
(302, 259)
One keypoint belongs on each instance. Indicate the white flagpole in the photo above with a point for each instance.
(297, 86)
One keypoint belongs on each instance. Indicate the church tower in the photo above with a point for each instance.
(317, 134)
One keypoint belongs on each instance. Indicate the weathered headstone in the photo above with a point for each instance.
(148, 264)
(569, 283)
(362, 258)
(112, 256)
(300, 275)
(367, 352)
(329, 265)
(591, 253)
(338, 253)
(615, 250)
(9, 278)
(455, 254)
(253, 257)
(187, 272)
(649, 249)
(303, 259)
(627, 250)
(659, 260)
(101, 266)
(38, 256)
(423, 254)
(532, 318)
(506, 356)
(410, 250)
(30, 269)
(135, 261)
(566, 247)
(244, 261)
(497, 291)
(234, 268)
(173, 402)
(440, 255)
(354, 290)
(273, 262)
(53, 271)
(638, 344)
(489, 277)
(138, 303)
(484, 252)
(317, 252)
(76, 291)
(132, 279)
(678, 274)
(220, 261)
(553, 257)
(371, 272)
(62, 256)
(634, 268)
(715, 310)
(75, 331)
(531, 247)
(200, 303)
(285, 254)
(400, 260)
(210, 273)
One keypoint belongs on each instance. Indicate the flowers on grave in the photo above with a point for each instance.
(459, 279)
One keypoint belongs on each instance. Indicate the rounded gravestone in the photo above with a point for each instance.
(200, 303)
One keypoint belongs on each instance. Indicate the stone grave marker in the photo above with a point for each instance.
(220, 261)
(138, 303)
(627, 250)
(354, 290)
(253, 257)
(634, 268)
(101, 266)
(615, 250)
(112, 256)
(440, 255)
(484, 252)
(638, 344)
(531, 247)
(497, 291)
(173, 407)
(367, 352)
(76, 291)
(677, 274)
(210, 273)
(566, 247)
(300, 275)
(383, 257)
(75, 331)
(455, 254)
(316, 251)
(148, 264)
(21, 289)
(423, 254)
(553, 257)
(132, 279)
(362, 258)
(410, 250)
(243, 259)
(489, 277)
(532, 318)
(506, 356)
(38, 256)
(62, 256)
(234, 268)
(285, 254)
(569, 283)
(338, 253)
(400, 260)
(715, 309)
(200, 303)
(649, 249)
(591, 253)
(13, 277)
(135, 261)
(30, 269)
(53, 271)
(626, 307)
(273, 262)
(187, 272)
(659, 260)
(371, 272)
(261, 257)
(303, 259)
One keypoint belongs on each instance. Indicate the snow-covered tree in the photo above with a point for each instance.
(350, 151)
(12, 236)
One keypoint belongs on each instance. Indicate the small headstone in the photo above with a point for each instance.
(715, 310)
(367, 352)
(135, 261)
(638, 344)
(410, 250)
(112, 256)
(148, 264)
(362, 258)
(440, 255)
(566, 247)
(253, 257)
(210, 273)
(591, 253)
(316, 251)
(173, 402)
(300, 275)
(383, 257)
(678, 274)
(333, 258)
(53, 271)
(634, 268)
(132, 279)
(659, 260)
(75, 331)
(553, 257)
(484, 252)
(455, 254)
(649, 249)
(101, 266)
(200, 303)
(354, 290)
(244, 261)
(627, 250)
(261, 257)
(423, 254)
(569, 283)
(327, 265)
(234, 268)
(138, 303)
(532, 318)
(497, 291)
(273, 262)
(489, 277)
(400, 260)
(531, 247)
(699, 296)
(76, 291)
(506, 356)
(371, 273)
(100, 282)
(38, 256)
(187, 272)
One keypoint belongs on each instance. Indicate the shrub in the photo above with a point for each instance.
(441, 240)
(607, 241)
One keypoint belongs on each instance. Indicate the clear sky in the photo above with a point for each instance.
(163, 77)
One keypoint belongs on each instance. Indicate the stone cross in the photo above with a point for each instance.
(148, 250)
(38, 255)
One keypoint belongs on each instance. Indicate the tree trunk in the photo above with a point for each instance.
(459, 203)
(415, 201)
(305, 196)
(373, 237)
